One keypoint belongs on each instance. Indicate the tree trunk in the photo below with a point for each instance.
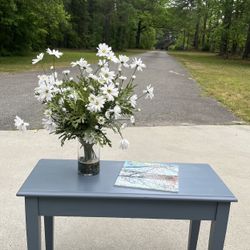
(118, 38)
(197, 26)
(234, 47)
(209, 35)
(246, 53)
(228, 9)
(204, 32)
(138, 34)
(196, 34)
(237, 16)
(187, 46)
(184, 40)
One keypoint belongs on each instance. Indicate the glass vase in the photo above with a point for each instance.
(88, 158)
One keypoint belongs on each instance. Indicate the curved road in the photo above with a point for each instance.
(178, 98)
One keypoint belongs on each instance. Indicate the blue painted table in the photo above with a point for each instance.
(54, 188)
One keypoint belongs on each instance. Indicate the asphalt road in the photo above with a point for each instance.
(178, 98)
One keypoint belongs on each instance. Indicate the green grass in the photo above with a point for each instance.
(226, 80)
(23, 63)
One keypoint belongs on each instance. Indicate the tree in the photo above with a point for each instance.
(246, 53)
(7, 21)
(27, 24)
(197, 26)
(149, 14)
(227, 6)
(77, 35)
(212, 25)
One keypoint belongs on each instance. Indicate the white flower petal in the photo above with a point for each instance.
(54, 52)
(20, 124)
(149, 91)
(38, 58)
(132, 119)
(103, 50)
(137, 63)
(124, 144)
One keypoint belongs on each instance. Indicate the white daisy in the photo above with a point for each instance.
(123, 60)
(92, 76)
(124, 125)
(46, 79)
(73, 96)
(132, 119)
(103, 50)
(38, 58)
(133, 100)
(83, 64)
(66, 72)
(58, 83)
(48, 112)
(54, 75)
(65, 89)
(101, 80)
(54, 52)
(137, 63)
(106, 75)
(107, 114)
(124, 144)
(20, 124)
(117, 112)
(103, 63)
(149, 91)
(110, 91)
(44, 92)
(96, 103)
(73, 64)
(49, 124)
(111, 56)
(123, 78)
(101, 120)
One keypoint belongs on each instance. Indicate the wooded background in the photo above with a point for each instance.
(221, 26)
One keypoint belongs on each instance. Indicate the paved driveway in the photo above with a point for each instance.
(178, 98)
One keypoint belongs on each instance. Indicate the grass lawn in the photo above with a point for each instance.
(23, 63)
(226, 80)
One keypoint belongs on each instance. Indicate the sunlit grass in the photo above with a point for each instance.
(23, 63)
(226, 80)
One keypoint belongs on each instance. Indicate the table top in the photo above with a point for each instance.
(59, 178)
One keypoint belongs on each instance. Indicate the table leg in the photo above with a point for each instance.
(33, 224)
(219, 227)
(49, 232)
(194, 229)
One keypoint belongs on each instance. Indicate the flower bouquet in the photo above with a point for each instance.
(83, 108)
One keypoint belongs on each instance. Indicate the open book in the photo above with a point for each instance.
(149, 175)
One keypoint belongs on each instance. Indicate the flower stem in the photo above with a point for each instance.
(89, 153)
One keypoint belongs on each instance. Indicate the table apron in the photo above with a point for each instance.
(127, 208)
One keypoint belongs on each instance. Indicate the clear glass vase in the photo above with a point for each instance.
(88, 158)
